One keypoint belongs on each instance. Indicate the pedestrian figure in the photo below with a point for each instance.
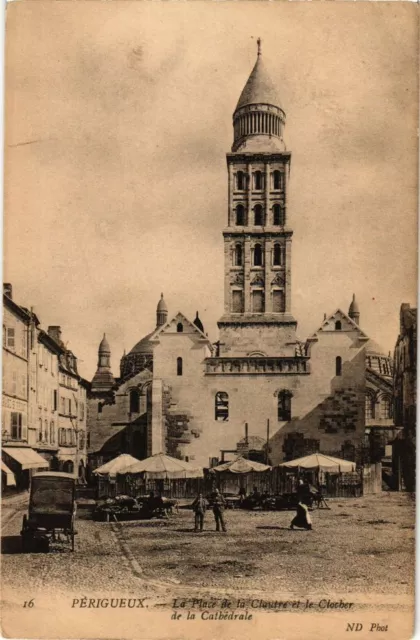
(218, 510)
(199, 508)
(302, 518)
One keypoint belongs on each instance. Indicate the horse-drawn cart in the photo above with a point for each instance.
(52, 511)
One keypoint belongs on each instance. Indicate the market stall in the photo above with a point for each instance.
(240, 476)
(161, 474)
(107, 474)
(324, 472)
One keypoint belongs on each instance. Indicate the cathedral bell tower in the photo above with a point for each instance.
(257, 240)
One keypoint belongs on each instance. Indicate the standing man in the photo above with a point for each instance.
(218, 509)
(199, 508)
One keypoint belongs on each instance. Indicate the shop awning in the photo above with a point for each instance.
(26, 457)
(10, 476)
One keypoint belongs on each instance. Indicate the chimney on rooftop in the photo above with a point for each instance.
(8, 290)
(55, 333)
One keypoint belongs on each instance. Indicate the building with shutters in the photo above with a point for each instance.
(43, 399)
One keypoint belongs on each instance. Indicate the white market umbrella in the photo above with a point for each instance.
(241, 465)
(163, 467)
(322, 462)
(117, 465)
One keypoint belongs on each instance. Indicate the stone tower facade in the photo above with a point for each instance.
(257, 240)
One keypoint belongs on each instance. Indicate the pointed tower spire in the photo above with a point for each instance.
(161, 312)
(198, 323)
(354, 312)
(103, 380)
(259, 117)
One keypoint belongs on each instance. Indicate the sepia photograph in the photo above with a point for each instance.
(209, 320)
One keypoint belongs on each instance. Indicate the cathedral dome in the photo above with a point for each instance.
(161, 304)
(259, 119)
(144, 346)
(104, 346)
(259, 88)
(377, 360)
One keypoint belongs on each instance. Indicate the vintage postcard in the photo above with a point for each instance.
(209, 320)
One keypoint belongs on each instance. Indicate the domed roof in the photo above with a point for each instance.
(354, 307)
(144, 346)
(162, 304)
(373, 348)
(259, 89)
(104, 346)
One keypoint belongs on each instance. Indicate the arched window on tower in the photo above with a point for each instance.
(221, 406)
(258, 255)
(238, 255)
(134, 401)
(179, 366)
(284, 405)
(258, 180)
(338, 325)
(240, 215)
(240, 181)
(179, 327)
(277, 255)
(278, 215)
(338, 366)
(277, 180)
(386, 408)
(369, 407)
(258, 215)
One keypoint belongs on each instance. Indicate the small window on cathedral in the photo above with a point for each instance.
(258, 180)
(369, 407)
(338, 325)
(258, 255)
(179, 327)
(284, 405)
(238, 255)
(338, 366)
(240, 182)
(277, 180)
(240, 215)
(99, 407)
(179, 366)
(278, 215)
(258, 215)
(277, 255)
(134, 401)
(386, 408)
(221, 406)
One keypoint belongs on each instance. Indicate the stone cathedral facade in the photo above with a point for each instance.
(258, 390)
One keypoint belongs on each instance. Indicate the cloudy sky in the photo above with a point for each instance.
(118, 119)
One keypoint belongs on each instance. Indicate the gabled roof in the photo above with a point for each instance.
(339, 315)
(179, 317)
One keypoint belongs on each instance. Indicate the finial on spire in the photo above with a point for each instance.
(259, 46)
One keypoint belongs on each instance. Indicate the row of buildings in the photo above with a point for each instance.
(44, 399)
